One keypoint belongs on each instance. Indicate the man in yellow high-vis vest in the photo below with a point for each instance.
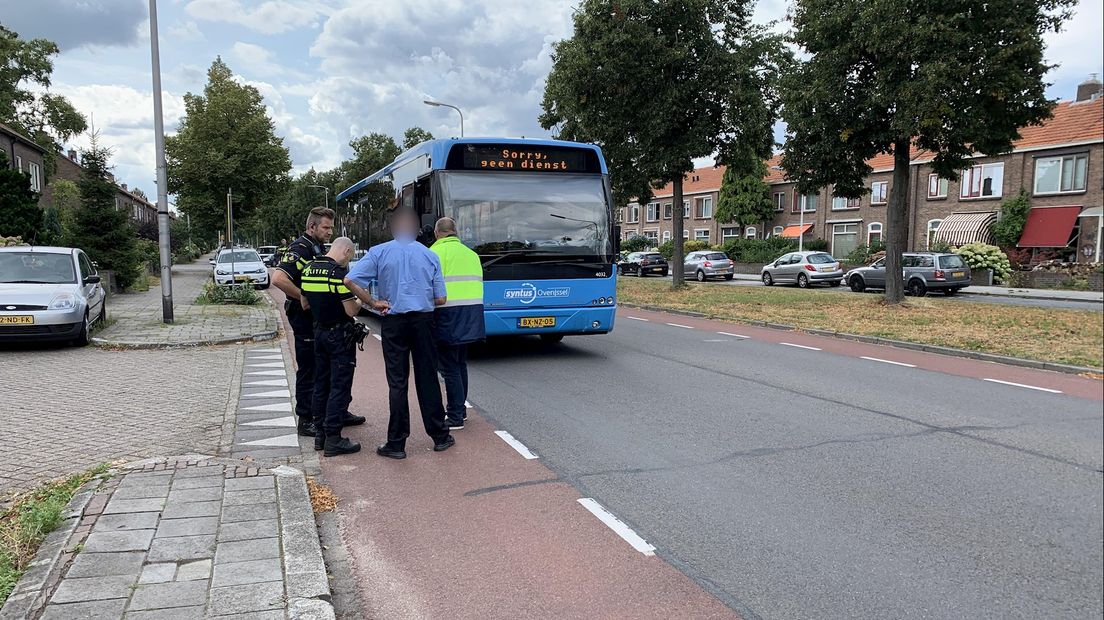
(460, 321)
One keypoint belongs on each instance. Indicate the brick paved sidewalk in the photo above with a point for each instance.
(188, 537)
(138, 322)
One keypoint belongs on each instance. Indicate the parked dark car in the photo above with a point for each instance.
(644, 263)
(923, 272)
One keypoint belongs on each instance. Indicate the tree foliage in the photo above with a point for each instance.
(99, 229)
(882, 76)
(19, 212)
(415, 136)
(226, 141)
(1013, 218)
(25, 101)
(744, 197)
(656, 84)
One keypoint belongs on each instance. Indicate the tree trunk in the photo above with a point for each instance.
(897, 222)
(677, 256)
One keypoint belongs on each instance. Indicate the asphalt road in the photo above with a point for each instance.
(791, 482)
(962, 296)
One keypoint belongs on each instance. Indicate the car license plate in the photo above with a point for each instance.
(242, 278)
(959, 274)
(827, 268)
(17, 320)
(537, 321)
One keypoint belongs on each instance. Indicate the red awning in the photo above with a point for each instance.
(1049, 227)
(793, 232)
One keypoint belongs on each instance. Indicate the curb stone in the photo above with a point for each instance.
(308, 588)
(25, 597)
(900, 344)
(121, 344)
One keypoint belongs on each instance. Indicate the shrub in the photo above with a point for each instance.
(817, 245)
(757, 250)
(242, 294)
(636, 244)
(985, 256)
(943, 246)
(694, 245)
(1013, 217)
(859, 256)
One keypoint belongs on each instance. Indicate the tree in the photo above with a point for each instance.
(46, 118)
(743, 198)
(370, 153)
(1013, 218)
(19, 212)
(653, 83)
(101, 230)
(225, 142)
(415, 136)
(886, 76)
(65, 198)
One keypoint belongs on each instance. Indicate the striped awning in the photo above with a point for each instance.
(795, 231)
(958, 229)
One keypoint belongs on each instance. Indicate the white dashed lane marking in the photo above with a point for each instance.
(617, 526)
(878, 359)
(798, 346)
(680, 326)
(732, 335)
(1030, 387)
(515, 444)
(636, 318)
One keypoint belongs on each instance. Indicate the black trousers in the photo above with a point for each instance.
(406, 336)
(302, 326)
(453, 359)
(335, 363)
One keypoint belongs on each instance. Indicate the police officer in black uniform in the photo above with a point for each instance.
(286, 277)
(335, 335)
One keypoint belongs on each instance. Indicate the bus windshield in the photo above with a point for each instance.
(519, 213)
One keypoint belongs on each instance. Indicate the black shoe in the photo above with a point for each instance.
(444, 445)
(390, 453)
(454, 426)
(319, 441)
(336, 446)
(306, 428)
(352, 420)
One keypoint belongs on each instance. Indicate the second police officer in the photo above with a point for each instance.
(335, 336)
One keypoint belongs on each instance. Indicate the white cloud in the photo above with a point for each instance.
(260, 61)
(188, 31)
(271, 17)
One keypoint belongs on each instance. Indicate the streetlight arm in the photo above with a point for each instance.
(438, 104)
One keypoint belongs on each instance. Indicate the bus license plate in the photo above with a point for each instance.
(16, 320)
(537, 321)
(959, 274)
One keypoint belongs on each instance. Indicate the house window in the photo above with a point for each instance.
(777, 232)
(667, 211)
(750, 232)
(730, 232)
(1054, 175)
(666, 236)
(845, 238)
(19, 163)
(653, 212)
(879, 192)
(685, 234)
(840, 204)
(933, 225)
(634, 214)
(36, 176)
(985, 181)
(701, 234)
(705, 208)
(780, 201)
(873, 233)
(652, 235)
(804, 202)
(937, 187)
(685, 209)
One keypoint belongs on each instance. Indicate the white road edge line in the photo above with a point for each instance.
(617, 526)
(516, 445)
(799, 346)
(878, 359)
(1030, 387)
(682, 326)
(732, 335)
(636, 318)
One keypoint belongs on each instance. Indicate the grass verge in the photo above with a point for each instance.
(1054, 335)
(28, 520)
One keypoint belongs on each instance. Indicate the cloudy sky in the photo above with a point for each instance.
(332, 70)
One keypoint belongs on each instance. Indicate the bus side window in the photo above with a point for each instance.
(407, 199)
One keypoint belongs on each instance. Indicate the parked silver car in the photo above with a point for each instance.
(922, 272)
(240, 266)
(803, 269)
(49, 293)
(707, 264)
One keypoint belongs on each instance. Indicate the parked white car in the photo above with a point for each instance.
(240, 266)
(49, 293)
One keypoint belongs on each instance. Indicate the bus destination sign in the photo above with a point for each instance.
(526, 158)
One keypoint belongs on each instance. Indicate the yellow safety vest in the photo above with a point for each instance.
(462, 270)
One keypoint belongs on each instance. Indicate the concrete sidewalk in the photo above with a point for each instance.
(138, 316)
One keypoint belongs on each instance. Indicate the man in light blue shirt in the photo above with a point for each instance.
(409, 285)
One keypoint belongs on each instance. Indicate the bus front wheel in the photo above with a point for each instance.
(551, 338)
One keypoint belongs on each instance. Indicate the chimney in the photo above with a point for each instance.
(1089, 89)
(124, 187)
(72, 155)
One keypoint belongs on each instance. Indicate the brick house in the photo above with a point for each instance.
(23, 154)
(1059, 163)
(139, 209)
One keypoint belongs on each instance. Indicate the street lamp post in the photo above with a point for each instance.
(163, 241)
(438, 104)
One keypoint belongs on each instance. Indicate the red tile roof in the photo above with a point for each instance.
(706, 179)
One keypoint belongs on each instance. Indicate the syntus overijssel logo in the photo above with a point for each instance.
(527, 293)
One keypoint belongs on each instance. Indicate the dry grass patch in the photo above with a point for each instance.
(322, 498)
(1054, 335)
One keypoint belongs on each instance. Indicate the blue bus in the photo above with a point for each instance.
(538, 212)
